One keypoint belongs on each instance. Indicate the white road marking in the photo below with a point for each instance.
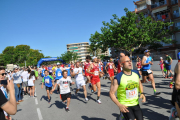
(105, 89)
(39, 114)
(36, 101)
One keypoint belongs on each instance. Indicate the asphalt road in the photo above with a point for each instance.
(155, 108)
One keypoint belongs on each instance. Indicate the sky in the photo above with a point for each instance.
(49, 25)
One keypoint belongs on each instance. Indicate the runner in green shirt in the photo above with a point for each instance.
(128, 85)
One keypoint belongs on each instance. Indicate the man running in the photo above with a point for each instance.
(146, 64)
(68, 69)
(65, 93)
(58, 73)
(111, 69)
(86, 66)
(78, 72)
(47, 79)
(42, 71)
(175, 111)
(95, 80)
(128, 85)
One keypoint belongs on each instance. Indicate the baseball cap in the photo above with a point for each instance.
(58, 63)
(94, 57)
(161, 57)
(146, 51)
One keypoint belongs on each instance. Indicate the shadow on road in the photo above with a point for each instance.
(92, 118)
(44, 97)
(59, 104)
(116, 116)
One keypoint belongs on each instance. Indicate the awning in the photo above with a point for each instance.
(160, 9)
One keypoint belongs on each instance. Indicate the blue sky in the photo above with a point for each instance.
(49, 25)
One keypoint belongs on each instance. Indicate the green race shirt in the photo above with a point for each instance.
(128, 88)
(168, 58)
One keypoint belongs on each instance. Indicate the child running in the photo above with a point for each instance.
(47, 79)
(65, 93)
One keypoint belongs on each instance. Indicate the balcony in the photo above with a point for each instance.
(174, 2)
(157, 4)
(141, 7)
(176, 15)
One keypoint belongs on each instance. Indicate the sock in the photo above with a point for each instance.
(154, 90)
(171, 82)
(97, 97)
(66, 107)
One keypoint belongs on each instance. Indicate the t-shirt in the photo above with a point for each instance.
(50, 69)
(64, 85)
(24, 76)
(36, 73)
(58, 73)
(30, 81)
(48, 80)
(68, 69)
(128, 88)
(3, 100)
(80, 75)
(168, 58)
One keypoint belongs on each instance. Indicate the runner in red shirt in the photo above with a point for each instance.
(45, 67)
(139, 66)
(95, 80)
(86, 66)
(72, 66)
(62, 65)
(111, 69)
(119, 63)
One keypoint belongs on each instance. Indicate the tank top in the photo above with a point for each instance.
(86, 65)
(96, 71)
(161, 63)
(139, 64)
(110, 67)
(146, 67)
(72, 67)
(119, 67)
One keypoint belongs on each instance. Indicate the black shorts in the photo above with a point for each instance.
(64, 97)
(145, 73)
(48, 88)
(135, 112)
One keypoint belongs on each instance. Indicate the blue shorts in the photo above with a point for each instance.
(168, 67)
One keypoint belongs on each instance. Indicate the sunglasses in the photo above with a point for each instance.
(4, 74)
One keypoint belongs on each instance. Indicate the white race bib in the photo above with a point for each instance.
(110, 66)
(46, 80)
(131, 93)
(96, 72)
(149, 71)
(59, 74)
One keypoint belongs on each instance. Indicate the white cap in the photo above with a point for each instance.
(161, 57)
(94, 57)
(58, 63)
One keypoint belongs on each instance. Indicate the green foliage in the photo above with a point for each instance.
(102, 57)
(69, 56)
(18, 54)
(131, 32)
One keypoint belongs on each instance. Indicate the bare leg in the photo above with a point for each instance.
(48, 94)
(99, 89)
(152, 81)
(144, 79)
(178, 109)
(85, 92)
(94, 87)
(88, 80)
(77, 90)
(68, 101)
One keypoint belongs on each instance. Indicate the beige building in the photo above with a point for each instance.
(82, 49)
(105, 53)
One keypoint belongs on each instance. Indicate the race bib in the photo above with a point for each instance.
(131, 93)
(59, 74)
(96, 72)
(46, 80)
(110, 66)
(65, 86)
(149, 71)
(138, 69)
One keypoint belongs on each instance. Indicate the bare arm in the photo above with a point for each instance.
(10, 106)
(177, 80)
(89, 68)
(143, 60)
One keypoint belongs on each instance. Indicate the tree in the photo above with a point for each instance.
(69, 56)
(131, 32)
(102, 57)
(94, 50)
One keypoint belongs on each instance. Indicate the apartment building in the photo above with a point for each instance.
(82, 49)
(163, 10)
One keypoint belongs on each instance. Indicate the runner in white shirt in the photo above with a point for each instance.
(24, 76)
(79, 74)
(31, 79)
(65, 93)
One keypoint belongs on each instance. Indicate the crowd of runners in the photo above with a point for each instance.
(125, 81)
